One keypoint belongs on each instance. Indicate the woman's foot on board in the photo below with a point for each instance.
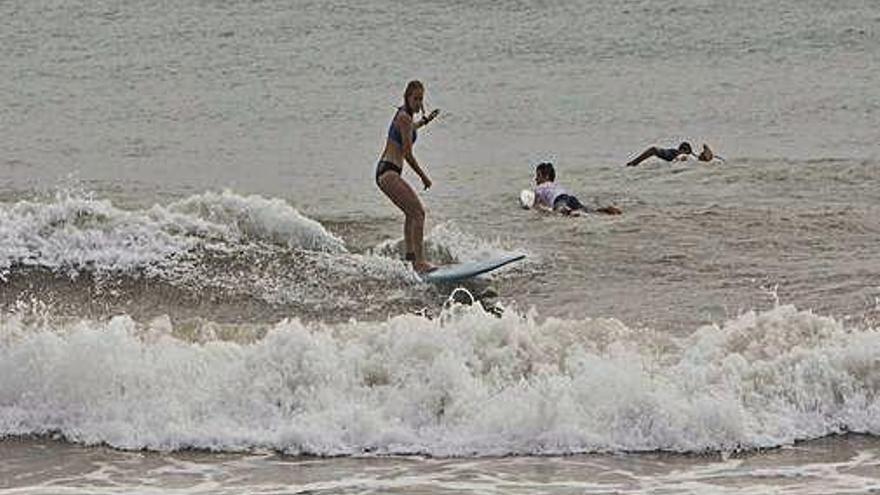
(423, 267)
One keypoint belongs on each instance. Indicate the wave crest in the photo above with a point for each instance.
(464, 384)
(78, 232)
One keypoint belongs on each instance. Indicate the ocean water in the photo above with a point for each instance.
(201, 288)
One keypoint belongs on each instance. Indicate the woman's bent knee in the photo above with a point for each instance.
(416, 214)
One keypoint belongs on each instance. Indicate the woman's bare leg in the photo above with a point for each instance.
(404, 197)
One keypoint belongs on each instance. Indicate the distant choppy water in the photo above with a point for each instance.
(200, 172)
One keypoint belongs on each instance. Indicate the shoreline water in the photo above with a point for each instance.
(848, 464)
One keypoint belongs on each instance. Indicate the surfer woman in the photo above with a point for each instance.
(399, 148)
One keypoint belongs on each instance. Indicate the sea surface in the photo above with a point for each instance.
(202, 290)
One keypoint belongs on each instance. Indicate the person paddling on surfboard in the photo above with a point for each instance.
(399, 148)
(549, 194)
(683, 151)
(667, 154)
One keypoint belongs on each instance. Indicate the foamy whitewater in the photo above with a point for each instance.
(441, 387)
(202, 290)
(73, 232)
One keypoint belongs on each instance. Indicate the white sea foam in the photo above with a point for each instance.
(447, 243)
(257, 218)
(463, 246)
(73, 232)
(466, 383)
(81, 232)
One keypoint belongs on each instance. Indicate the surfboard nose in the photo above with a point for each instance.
(527, 198)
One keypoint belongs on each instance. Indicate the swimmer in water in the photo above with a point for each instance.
(550, 195)
(668, 154)
(683, 151)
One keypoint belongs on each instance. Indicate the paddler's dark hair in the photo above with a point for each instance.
(685, 147)
(546, 169)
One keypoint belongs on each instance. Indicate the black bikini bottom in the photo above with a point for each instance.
(386, 166)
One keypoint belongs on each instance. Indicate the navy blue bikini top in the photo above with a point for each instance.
(394, 131)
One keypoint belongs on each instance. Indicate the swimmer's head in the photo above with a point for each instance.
(685, 147)
(544, 173)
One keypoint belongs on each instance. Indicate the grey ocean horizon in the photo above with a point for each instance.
(205, 170)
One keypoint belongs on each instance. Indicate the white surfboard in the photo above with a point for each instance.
(463, 271)
(527, 198)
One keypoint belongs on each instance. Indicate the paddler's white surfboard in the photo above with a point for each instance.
(463, 271)
(527, 198)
